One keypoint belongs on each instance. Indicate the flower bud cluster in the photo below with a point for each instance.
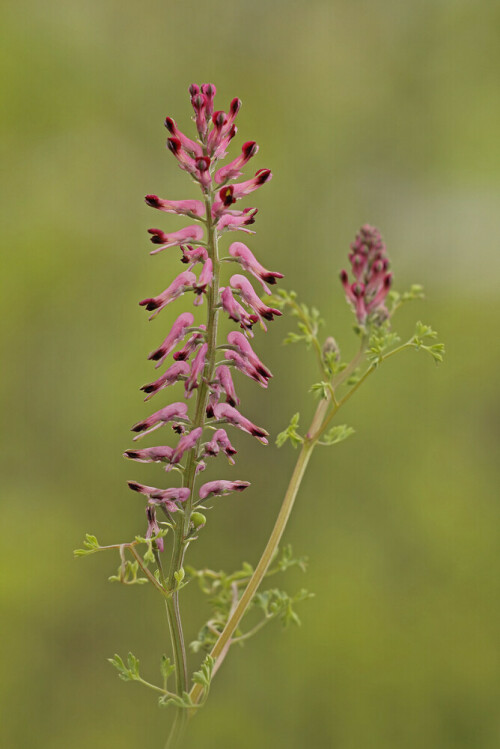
(192, 346)
(372, 279)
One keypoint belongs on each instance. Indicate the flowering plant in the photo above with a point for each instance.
(203, 364)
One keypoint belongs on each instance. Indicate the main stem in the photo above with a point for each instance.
(182, 527)
(221, 647)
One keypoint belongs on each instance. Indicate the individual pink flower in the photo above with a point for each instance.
(176, 372)
(248, 294)
(221, 487)
(199, 103)
(192, 208)
(205, 279)
(177, 334)
(186, 442)
(237, 220)
(213, 398)
(191, 345)
(209, 90)
(236, 312)
(245, 367)
(191, 146)
(153, 527)
(231, 193)
(160, 454)
(218, 441)
(192, 233)
(219, 119)
(233, 170)
(170, 413)
(193, 255)
(166, 497)
(248, 262)
(234, 338)
(225, 412)
(227, 136)
(184, 282)
(196, 369)
(223, 374)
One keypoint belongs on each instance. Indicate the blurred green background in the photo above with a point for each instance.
(379, 112)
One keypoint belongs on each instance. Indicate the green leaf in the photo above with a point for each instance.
(166, 668)
(337, 434)
(129, 672)
(290, 433)
(90, 546)
(320, 390)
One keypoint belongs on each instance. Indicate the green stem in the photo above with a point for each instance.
(182, 526)
(221, 647)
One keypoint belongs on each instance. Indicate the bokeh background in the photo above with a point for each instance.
(382, 112)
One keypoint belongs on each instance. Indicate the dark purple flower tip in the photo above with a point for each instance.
(152, 200)
(271, 278)
(218, 118)
(226, 195)
(271, 313)
(209, 90)
(194, 89)
(134, 486)
(178, 428)
(150, 304)
(174, 145)
(132, 454)
(344, 276)
(158, 236)
(170, 124)
(235, 107)
(249, 149)
(198, 101)
(148, 388)
(203, 163)
(263, 176)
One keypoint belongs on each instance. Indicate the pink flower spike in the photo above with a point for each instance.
(205, 279)
(176, 372)
(186, 442)
(221, 487)
(150, 454)
(242, 284)
(223, 411)
(196, 369)
(191, 345)
(191, 146)
(159, 418)
(226, 381)
(191, 208)
(237, 339)
(184, 282)
(237, 220)
(246, 258)
(192, 233)
(153, 527)
(177, 334)
(236, 312)
(233, 170)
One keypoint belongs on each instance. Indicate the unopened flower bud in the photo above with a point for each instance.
(331, 349)
(198, 519)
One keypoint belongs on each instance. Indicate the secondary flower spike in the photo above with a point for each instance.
(369, 266)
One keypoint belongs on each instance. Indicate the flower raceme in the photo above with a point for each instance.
(190, 349)
(372, 281)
